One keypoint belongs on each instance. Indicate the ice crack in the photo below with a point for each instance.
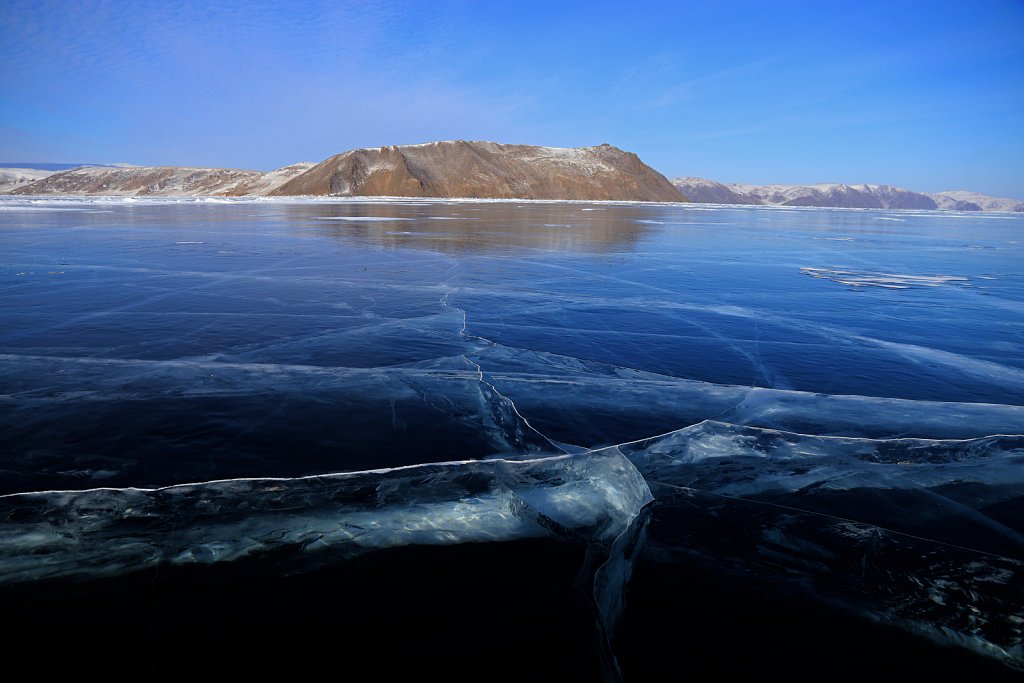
(499, 410)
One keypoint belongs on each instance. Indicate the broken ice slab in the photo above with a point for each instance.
(966, 492)
(800, 585)
(306, 521)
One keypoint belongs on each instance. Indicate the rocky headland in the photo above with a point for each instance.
(437, 169)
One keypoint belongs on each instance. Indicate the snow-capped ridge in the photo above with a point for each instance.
(839, 195)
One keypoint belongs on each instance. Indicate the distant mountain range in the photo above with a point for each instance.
(458, 168)
(839, 195)
(963, 200)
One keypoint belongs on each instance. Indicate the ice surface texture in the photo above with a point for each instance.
(208, 383)
(927, 534)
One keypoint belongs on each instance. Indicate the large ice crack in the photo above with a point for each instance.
(498, 410)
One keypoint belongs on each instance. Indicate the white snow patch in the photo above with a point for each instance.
(855, 278)
(362, 219)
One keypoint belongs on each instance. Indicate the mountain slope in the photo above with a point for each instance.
(838, 195)
(272, 180)
(485, 170)
(161, 181)
(711, 192)
(13, 178)
(142, 180)
(962, 200)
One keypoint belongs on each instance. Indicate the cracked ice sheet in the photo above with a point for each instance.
(80, 422)
(965, 492)
(592, 404)
(926, 535)
(351, 310)
(832, 347)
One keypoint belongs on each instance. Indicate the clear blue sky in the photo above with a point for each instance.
(925, 95)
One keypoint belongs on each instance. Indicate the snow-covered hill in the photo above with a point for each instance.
(839, 195)
(161, 181)
(13, 178)
(963, 200)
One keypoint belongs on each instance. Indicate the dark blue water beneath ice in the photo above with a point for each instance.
(658, 380)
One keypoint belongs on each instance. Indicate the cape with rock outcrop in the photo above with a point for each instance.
(485, 170)
(438, 169)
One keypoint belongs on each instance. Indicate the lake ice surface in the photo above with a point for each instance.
(194, 382)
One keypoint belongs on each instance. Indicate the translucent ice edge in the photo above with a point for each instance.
(865, 278)
(103, 532)
(363, 219)
(780, 461)
(958, 492)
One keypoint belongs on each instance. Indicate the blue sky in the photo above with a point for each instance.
(925, 95)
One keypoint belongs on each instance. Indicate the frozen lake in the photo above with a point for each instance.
(821, 408)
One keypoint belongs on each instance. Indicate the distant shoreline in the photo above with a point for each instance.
(332, 199)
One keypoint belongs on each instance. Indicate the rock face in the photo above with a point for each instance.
(13, 178)
(962, 200)
(161, 181)
(485, 170)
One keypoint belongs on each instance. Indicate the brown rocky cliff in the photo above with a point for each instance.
(485, 170)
